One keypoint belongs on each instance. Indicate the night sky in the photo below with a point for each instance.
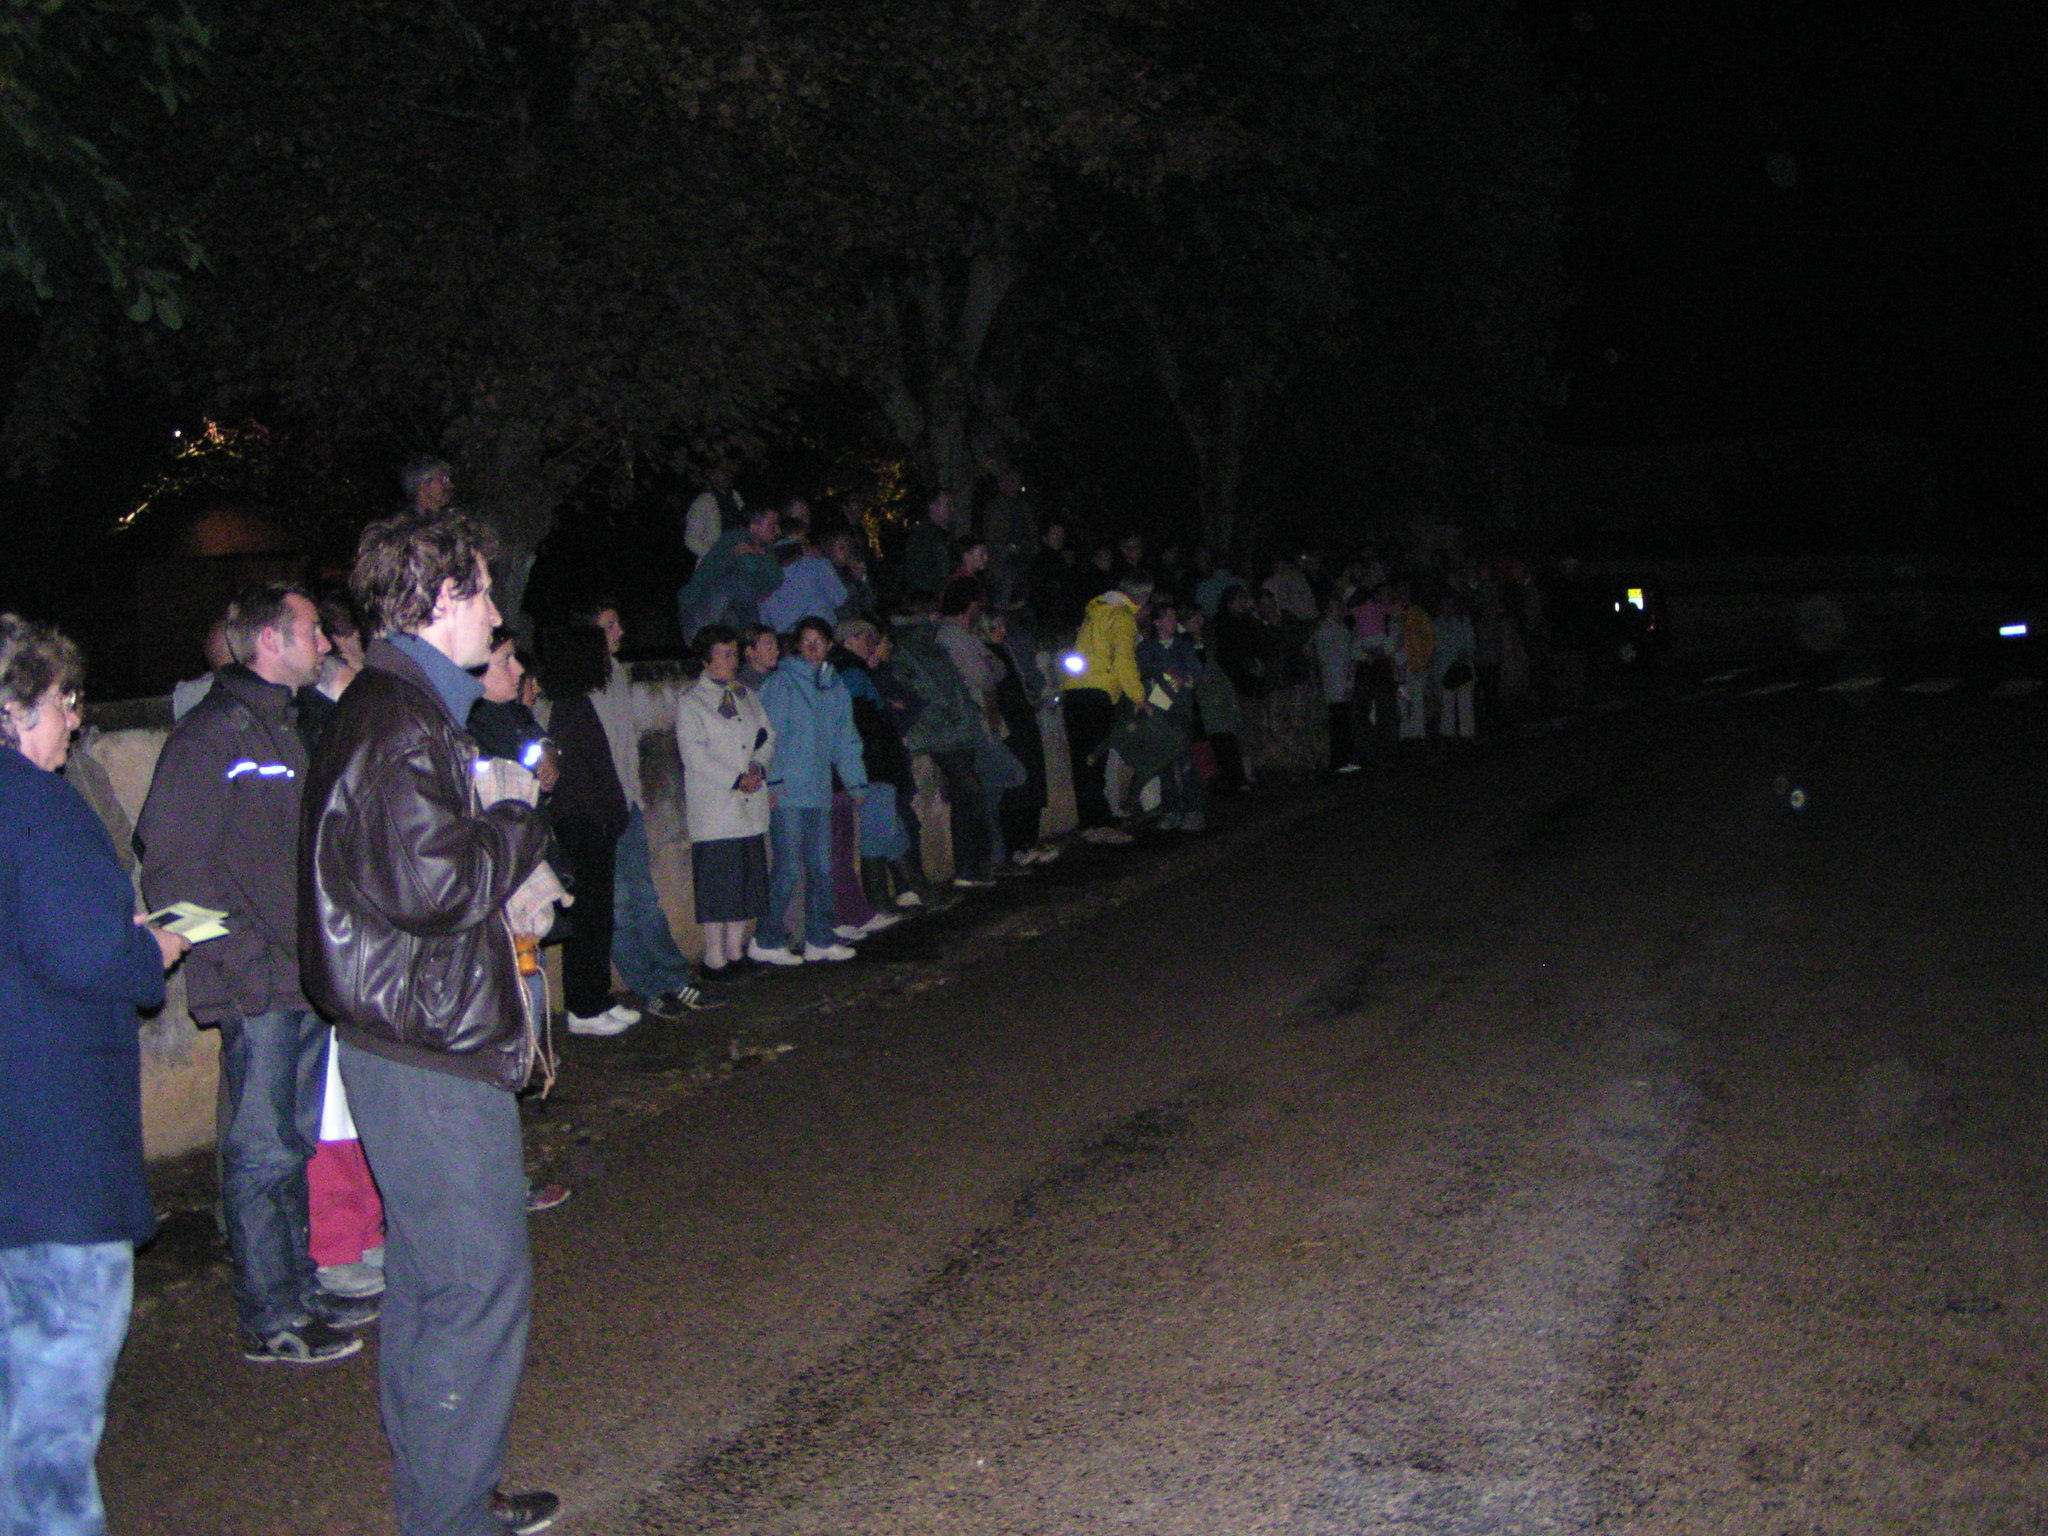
(1796, 219)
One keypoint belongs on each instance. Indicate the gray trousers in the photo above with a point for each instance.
(458, 1284)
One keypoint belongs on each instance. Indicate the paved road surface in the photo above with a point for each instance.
(1570, 1135)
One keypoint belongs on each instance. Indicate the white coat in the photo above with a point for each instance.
(717, 751)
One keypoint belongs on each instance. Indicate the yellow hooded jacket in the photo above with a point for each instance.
(1108, 643)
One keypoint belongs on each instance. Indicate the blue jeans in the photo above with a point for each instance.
(458, 1284)
(643, 948)
(999, 770)
(881, 824)
(63, 1314)
(799, 852)
(273, 1069)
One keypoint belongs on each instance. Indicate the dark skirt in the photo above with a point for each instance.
(731, 879)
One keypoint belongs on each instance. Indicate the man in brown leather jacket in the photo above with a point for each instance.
(404, 944)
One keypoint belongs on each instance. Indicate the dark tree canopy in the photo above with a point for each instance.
(569, 243)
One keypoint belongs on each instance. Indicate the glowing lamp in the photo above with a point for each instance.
(1074, 663)
(2012, 631)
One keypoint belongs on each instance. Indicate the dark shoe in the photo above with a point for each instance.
(309, 1343)
(348, 1313)
(545, 1197)
(673, 1005)
(522, 1514)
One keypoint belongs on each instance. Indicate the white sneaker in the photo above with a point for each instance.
(874, 924)
(615, 1020)
(909, 899)
(767, 956)
(829, 952)
(353, 1282)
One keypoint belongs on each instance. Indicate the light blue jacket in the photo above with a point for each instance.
(810, 587)
(812, 715)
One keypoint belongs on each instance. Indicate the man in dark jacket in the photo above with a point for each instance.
(220, 829)
(733, 577)
(928, 552)
(889, 830)
(948, 726)
(404, 942)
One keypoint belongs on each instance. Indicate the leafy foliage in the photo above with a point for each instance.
(80, 81)
(598, 244)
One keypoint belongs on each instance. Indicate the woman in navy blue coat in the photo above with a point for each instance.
(74, 968)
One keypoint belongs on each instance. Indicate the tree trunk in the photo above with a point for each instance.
(1218, 433)
(509, 481)
(1222, 466)
(936, 325)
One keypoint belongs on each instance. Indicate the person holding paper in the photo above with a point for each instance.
(1170, 666)
(404, 883)
(75, 966)
(220, 830)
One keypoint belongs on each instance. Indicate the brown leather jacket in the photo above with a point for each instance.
(403, 941)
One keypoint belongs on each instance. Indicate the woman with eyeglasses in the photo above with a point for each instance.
(76, 964)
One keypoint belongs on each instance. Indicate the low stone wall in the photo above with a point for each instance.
(181, 1062)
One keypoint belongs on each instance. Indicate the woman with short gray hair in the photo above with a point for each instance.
(76, 965)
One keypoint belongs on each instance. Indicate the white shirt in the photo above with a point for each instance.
(703, 523)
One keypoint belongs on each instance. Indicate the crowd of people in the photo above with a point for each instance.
(399, 807)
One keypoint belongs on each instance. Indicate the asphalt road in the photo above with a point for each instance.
(1570, 1134)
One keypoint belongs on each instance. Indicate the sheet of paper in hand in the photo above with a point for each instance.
(194, 923)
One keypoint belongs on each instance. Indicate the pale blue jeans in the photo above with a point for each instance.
(63, 1314)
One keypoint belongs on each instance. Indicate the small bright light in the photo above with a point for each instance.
(1074, 662)
(2013, 631)
(1636, 599)
(176, 433)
